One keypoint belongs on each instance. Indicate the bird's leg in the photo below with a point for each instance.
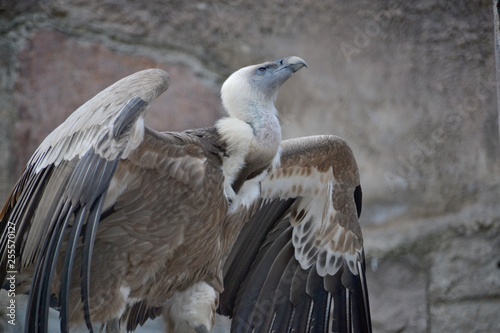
(113, 326)
(201, 329)
(191, 310)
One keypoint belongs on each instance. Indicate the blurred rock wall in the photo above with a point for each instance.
(409, 84)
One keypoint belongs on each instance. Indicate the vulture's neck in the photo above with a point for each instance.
(253, 137)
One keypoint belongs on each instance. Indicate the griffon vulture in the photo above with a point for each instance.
(114, 223)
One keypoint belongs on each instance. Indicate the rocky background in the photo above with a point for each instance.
(410, 85)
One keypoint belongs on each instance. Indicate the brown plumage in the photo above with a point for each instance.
(120, 221)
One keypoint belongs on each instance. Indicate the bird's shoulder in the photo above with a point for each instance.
(190, 159)
(199, 145)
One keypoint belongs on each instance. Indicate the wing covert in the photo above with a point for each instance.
(307, 274)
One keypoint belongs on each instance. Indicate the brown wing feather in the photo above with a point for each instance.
(319, 285)
(146, 234)
(322, 174)
(55, 206)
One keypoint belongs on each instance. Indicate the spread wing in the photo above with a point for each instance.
(62, 192)
(298, 265)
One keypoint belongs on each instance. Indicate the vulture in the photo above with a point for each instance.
(113, 223)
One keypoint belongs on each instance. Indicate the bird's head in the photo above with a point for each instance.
(256, 86)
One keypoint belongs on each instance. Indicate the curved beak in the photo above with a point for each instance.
(294, 63)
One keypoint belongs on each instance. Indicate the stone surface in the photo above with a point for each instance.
(410, 86)
(451, 278)
(7, 114)
(453, 260)
(397, 294)
(470, 316)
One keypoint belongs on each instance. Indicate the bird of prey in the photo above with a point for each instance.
(114, 223)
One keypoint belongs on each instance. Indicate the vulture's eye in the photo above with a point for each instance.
(261, 70)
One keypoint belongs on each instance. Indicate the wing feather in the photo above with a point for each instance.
(320, 285)
(243, 254)
(283, 306)
(56, 204)
(257, 309)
